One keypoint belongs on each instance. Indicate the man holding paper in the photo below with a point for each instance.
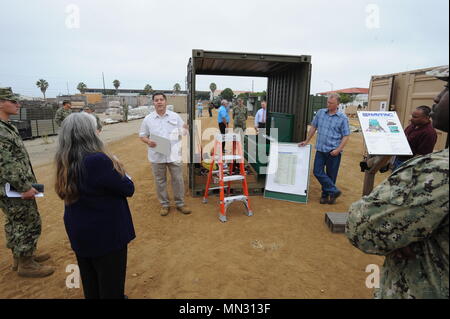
(161, 131)
(23, 222)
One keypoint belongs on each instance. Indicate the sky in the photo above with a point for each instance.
(150, 42)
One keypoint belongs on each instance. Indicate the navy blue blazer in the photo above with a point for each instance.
(100, 222)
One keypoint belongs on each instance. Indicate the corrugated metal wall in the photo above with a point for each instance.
(288, 92)
(408, 91)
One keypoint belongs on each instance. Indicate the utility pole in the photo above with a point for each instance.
(67, 83)
(330, 84)
(104, 89)
(253, 86)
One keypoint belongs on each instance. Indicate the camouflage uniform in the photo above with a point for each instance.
(61, 114)
(240, 116)
(409, 209)
(23, 223)
(99, 124)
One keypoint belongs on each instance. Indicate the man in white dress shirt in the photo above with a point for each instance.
(261, 116)
(168, 125)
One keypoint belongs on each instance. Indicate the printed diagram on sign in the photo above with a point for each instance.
(374, 126)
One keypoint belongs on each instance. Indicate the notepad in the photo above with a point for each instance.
(11, 192)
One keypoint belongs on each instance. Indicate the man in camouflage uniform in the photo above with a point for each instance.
(90, 110)
(240, 115)
(63, 112)
(23, 223)
(406, 219)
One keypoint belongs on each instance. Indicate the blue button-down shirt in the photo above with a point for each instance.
(223, 114)
(330, 130)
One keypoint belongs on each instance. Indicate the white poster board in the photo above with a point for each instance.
(383, 133)
(288, 171)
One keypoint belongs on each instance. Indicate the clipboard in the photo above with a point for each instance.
(163, 145)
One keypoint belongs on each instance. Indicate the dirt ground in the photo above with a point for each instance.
(284, 251)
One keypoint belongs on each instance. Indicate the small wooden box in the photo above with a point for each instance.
(336, 221)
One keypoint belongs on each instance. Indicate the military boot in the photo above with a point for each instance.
(29, 268)
(36, 258)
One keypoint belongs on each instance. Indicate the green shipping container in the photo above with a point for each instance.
(316, 102)
(284, 123)
(257, 148)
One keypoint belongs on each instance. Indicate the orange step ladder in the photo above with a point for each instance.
(219, 177)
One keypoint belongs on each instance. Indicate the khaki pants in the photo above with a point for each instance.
(176, 174)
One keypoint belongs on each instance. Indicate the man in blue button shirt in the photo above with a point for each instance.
(223, 118)
(333, 135)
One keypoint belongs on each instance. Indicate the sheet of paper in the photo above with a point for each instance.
(163, 144)
(10, 193)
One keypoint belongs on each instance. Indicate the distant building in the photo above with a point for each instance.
(360, 96)
(127, 92)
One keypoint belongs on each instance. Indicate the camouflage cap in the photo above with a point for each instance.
(8, 95)
(439, 72)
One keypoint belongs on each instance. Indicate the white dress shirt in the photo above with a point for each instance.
(169, 126)
(260, 116)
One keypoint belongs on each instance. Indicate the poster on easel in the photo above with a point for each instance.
(383, 133)
(288, 172)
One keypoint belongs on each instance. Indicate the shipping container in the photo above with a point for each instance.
(403, 92)
(288, 87)
(316, 102)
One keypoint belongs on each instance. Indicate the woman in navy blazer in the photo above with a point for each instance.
(94, 187)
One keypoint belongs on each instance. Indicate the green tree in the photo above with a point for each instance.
(346, 98)
(148, 90)
(213, 88)
(116, 84)
(81, 87)
(227, 94)
(43, 85)
(176, 88)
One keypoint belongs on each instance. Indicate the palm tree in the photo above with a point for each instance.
(43, 85)
(81, 87)
(116, 84)
(177, 88)
(213, 88)
(148, 90)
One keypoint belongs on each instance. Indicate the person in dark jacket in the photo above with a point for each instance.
(421, 135)
(94, 187)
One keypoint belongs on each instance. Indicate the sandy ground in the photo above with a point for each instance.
(284, 251)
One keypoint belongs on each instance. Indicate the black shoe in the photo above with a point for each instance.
(324, 200)
(333, 197)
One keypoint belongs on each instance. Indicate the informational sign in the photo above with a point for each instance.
(288, 172)
(383, 133)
